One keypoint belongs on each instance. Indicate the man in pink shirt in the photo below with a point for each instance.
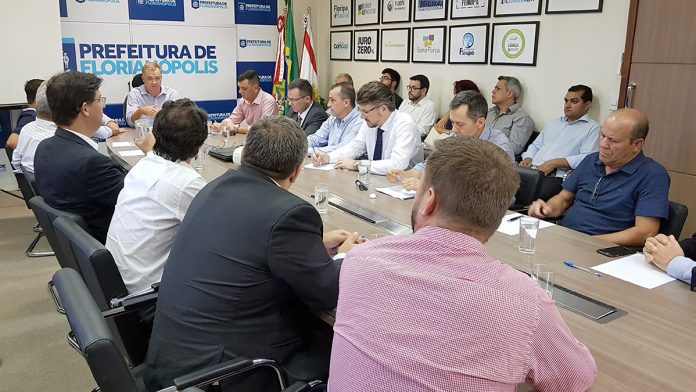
(254, 105)
(432, 311)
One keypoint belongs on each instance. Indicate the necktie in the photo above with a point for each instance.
(299, 120)
(378, 145)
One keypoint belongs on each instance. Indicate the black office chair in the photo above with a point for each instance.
(27, 193)
(531, 140)
(530, 186)
(136, 82)
(106, 361)
(674, 223)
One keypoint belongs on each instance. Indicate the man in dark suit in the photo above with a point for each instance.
(307, 113)
(70, 173)
(248, 259)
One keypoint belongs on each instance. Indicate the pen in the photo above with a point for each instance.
(515, 218)
(572, 265)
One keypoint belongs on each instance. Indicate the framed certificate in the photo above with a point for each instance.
(341, 45)
(462, 9)
(341, 13)
(395, 45)
(396, 11)
(573, 6)
(468, 44)
(517, 8)
(430, 10)
(366, 44)
(366, 12)
(515, 43)
(429, 44)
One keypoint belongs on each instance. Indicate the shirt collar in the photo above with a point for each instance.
(258, 98)
(303, 115)
(28, 109)
(486, 134)
(349, 117)
(143, 91)
(85, 138)
(512, 109)
(389, 123)
(628, 168)
(584, 118)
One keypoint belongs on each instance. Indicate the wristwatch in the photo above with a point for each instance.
(355, 164)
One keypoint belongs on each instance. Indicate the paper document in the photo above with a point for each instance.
(513, 227)
(328, 166)
(634, 269)
(131, 153)
(397, 191)
(121, 144)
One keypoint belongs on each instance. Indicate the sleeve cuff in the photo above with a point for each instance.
(339, 256)
(680, 268)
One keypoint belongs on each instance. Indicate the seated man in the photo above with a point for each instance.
(388, 137)
(418, 105)
(307, 113)
(70, 173)
(675, 258)
(28, 114)
(432, 311)
(507, 114)
(391, 79)
(254, 105)
(468, 115)
(565, 141)
(239, 273)
(342, 126)
(146, 100)
(156, 193)
(344, 78)
(33, 133)
(620, 194)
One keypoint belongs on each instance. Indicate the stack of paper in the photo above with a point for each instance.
(121, 144)
(131, 153)
(328, 166)
(634, 269)
(397, 191)
(512, 227)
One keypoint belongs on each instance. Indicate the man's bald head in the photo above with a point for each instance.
(637, 120)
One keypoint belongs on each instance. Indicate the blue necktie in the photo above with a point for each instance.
(378, 145)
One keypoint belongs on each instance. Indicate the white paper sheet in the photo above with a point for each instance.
(397, 191)
(634, 269)
(131, 153)
(328, 166)
(121, 144)
(513, 227)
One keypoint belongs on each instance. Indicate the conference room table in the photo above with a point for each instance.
(648, 345)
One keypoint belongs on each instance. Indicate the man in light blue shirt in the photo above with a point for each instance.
(343, 124)
(145, 101)
(676, 258)
(565, 141)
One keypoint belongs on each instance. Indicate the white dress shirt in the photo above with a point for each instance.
(401, 145)
(156, 194)
(423, 113)
(139, 97)
(32, 134)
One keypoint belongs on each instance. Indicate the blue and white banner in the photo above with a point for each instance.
(264, 69)
(157, 10)
(115, 11)
(257, 12)
(256, 43)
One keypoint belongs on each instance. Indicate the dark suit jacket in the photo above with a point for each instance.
(689, 247)
(27, 116)
(72, 176)
(247, 253)
(397, 100)
(315, 117)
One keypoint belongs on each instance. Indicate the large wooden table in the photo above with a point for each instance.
(651, 348)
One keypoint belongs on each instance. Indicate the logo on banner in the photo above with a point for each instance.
(254, 7)
(366, 8)
(431, 5)
(99, 1)
(265, 70)
(467, 44)
(163, 10)
(259, 12)
(69, 57)
(428, 41)
(513, 43)
(196, 4)
(255, 43)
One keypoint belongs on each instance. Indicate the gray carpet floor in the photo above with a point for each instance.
(34, 353)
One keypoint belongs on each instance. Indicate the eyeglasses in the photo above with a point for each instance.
(297, 99)
(366, 112)
(101, 99)
(409, 88)
(383, 77)
(595, 191)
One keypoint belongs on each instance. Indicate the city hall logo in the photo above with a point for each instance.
(141, 2)
(366, 9)
(254, 7)
(196, 4)
(513, 44)
(467, 44)
(431, 5)
(255, 43)
(266, 78)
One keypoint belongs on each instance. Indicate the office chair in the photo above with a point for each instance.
(531, 140)
(136, 82)
(530, 186)
(674, 223)
(27, 193)
(106, 361)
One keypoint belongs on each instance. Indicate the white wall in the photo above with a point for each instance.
(573, 49)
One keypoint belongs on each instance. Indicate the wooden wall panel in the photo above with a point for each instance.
(665, 32)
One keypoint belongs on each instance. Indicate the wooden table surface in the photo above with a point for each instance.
(651, 348)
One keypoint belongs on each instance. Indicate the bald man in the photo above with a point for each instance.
(617, 194)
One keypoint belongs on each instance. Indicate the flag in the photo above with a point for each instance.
(279, 74)
(290, 49)
(308, 69)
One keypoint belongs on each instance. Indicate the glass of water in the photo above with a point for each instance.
(364, 171)
(198, 163)
(528, 233)
(321, 198)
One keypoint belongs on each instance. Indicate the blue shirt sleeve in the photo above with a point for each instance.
(572, 182)
(653, 195)
(680, 267)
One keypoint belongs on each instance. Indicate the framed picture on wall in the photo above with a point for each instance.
(366, 12)
(366, 44)
(462, 9)
(341, 13)
(429, 44)
(468, 44)
(429, 10)
(515, 43)
(395, 45)
(396, 11)
(573, 6)
(508, 8)
(341, 45)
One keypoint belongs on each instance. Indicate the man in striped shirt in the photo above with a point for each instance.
(432, 311)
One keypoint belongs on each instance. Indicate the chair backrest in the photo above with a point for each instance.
(674, 223)
(31, 179)
(46, 214)
(24, 187)
(9, 152)
(530, 186)
(106, 361)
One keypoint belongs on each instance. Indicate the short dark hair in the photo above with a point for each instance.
(303, 85)
(180, 129)
(423, 80)
(377, 94)
(276, 146)
(346, 91)
(251, 76)
(465, 85)
(393, 75)
(474, 101)
(586, 95)
(67, 91)
(475, 182)
(30, 88)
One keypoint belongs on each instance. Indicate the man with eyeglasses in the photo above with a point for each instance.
(145, 101)
(564, 142)
(308, 114)
(388, 137)
(70, 173)
(418, 105)
(617, 194)
(391, 79)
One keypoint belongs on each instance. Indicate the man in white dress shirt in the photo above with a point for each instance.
(33, 133)
(145, 101)
(388, 137)
(418, 105)
(156, 194)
